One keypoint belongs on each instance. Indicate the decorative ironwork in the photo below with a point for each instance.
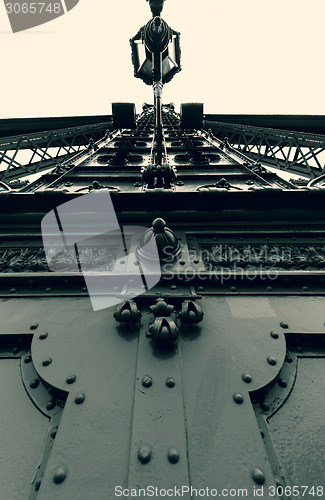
(262, 257)
(31, 260)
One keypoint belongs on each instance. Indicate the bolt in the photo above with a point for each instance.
(34, 383)
(80, 398)
(28, 359)
(33, 326)
(144, 454)
(51, 404)
(47, 362)
(48, 290)
(173, 287)
(43, 336)
(60, 475)
(170, 382)
(274, 335)
(247, 378)
(284, 325)
(147, 381)
(12, 290)
(258, 475)
(71, 379)
(305, 288)
(196, 261)
(54, 432)
(269, 289)
(282, 383)
(201, 288)
(271, 361)
(265, 406)
(288, 359)
(173, 455)
(233, 289)
(182, 262)
(15, 350)
(238, 398)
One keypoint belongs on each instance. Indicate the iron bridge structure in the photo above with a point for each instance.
(210, 379)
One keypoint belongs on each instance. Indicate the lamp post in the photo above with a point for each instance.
(156, 59)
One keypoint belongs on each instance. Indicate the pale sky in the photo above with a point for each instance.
(237, 57)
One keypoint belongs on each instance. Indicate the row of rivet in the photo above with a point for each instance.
(147, 381)
(145, 454)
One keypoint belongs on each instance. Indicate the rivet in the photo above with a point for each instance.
(305, 288)
(60, 475)
(274, 335)
(33, 326)
(147, 381)
(173, 455)
(247, 378)
(182, 262)
(15, 350)
(51, 404)
(28, 359)
(48, 290)
(238, 398)
(258, 475)
(38, 484)
(51, 391)
(196, 261)
(34, 383)
(271, 360)
(265, 406)
(269, 289)
(47, 362)
(282, 383)
(84, 289)
(71, 379)
(200, 288)
(173, 287)
(289, 359)
(233, 289)
(170, 382)
(12, 290)
(80, 398)
(54, 432)
(43, 336)
(284, 325)
(144, 454)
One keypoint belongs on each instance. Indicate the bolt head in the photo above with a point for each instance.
(170, 382)
(173, 455)
(80, 398)
(258, 475)
(71, 379)
(238, 398)
(246, 378)
(271, 361)
(60, 475)
(47, 362)
(147, 381)
(274, 335)
(144, 454)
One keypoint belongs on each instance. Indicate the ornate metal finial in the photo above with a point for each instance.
(156, 7)
(167, 243)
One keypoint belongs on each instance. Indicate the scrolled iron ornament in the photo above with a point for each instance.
(163, 331)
